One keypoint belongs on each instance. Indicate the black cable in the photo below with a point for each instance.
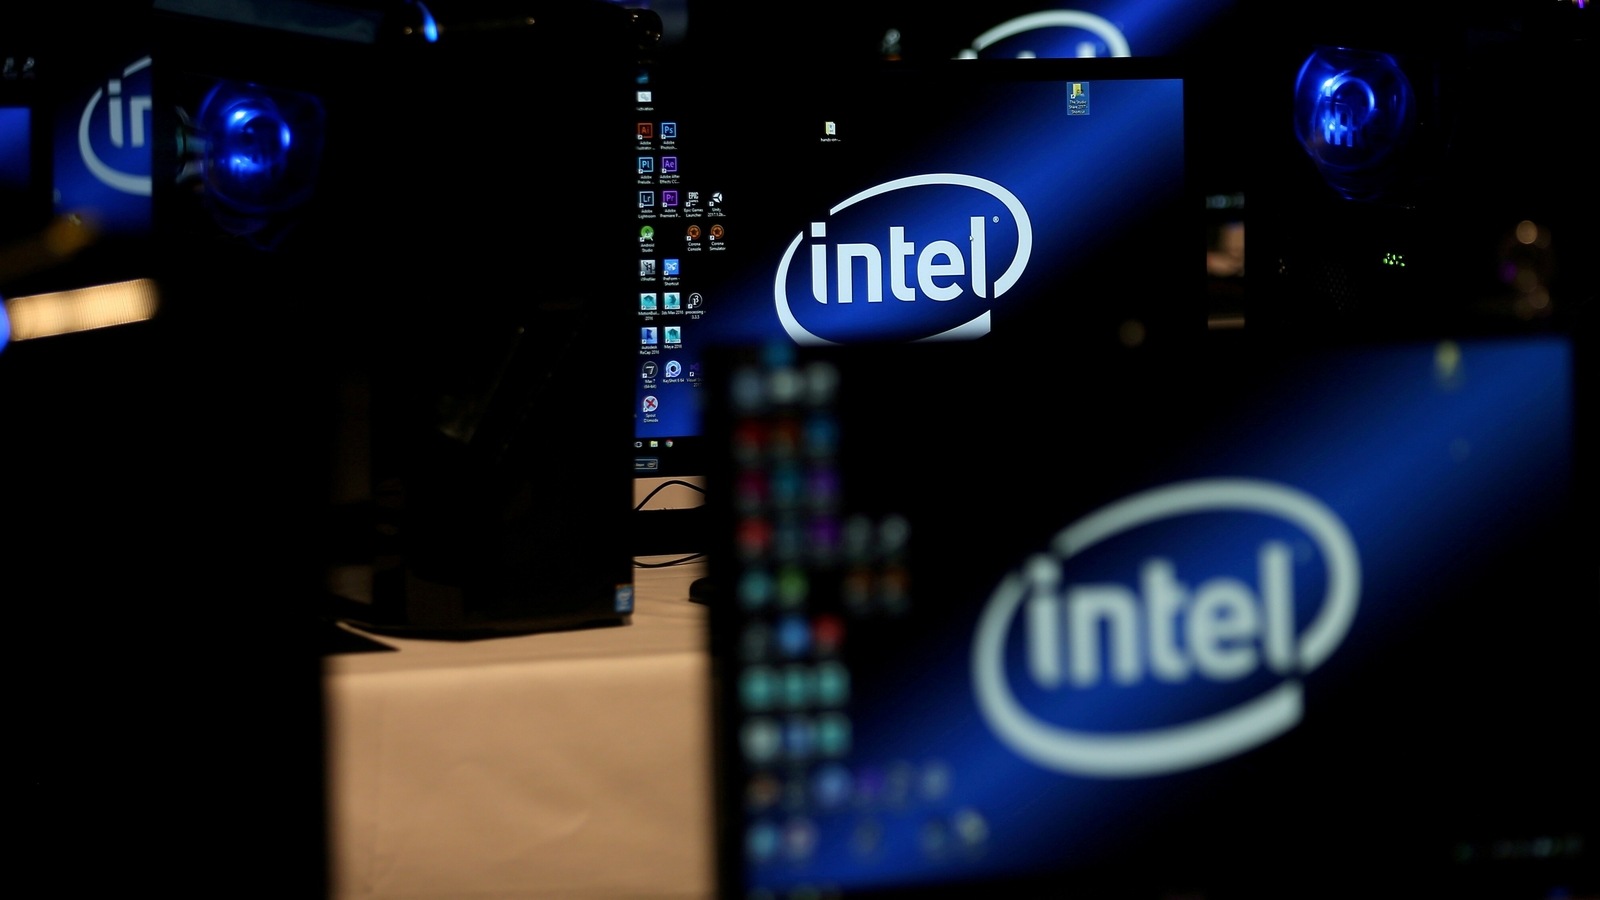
(666, 484)
(671, 562)
(656, 490)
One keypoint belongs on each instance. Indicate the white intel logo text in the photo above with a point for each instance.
(123, 123)
(931, 269)
(1219, 629)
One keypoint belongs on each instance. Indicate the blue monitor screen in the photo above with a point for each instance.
(965, 200)
(1242, 619)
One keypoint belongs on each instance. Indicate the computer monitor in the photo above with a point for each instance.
(1260, 616)
(954, 200)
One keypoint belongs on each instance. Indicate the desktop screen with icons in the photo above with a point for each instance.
(954, 201)
(1278, 618)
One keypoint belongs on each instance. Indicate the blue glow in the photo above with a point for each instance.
(1354, 113)
(262, 146)
(5, 325)
(430, 26)
(255, 142)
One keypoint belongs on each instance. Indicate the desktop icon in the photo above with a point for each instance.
(695, 300)
(647, 233)
(669, 164)
(670, 300)
(694, 232)
(673, 334)
(647, 164)
(1078, 99)
(800, 834)
(716, 232)
(669, 129)
(669, 267)
(649, 405)
(762, 738)
(833, 735)
(649, 369)
(646, 130)
(647, 267)
(794, 636)
(832, 787)
(647, 301)
(647, 198)
(674, 369)
(669, 198)
(647, 336)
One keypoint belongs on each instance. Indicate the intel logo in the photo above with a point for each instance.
(1051, 33)
(1167, 630)
(924, 260)
(113, 137)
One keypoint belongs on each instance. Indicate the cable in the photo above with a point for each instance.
(665, 484)
(671, 562)
(640, 507)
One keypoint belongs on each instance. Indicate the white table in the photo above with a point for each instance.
(565, 764)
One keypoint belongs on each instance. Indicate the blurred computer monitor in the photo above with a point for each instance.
(1271, 618)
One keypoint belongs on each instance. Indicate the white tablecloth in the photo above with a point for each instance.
(565, 764)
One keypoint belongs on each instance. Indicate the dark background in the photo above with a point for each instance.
(165, 485)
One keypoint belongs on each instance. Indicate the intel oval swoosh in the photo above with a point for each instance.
(978, 325)
(1202, 740)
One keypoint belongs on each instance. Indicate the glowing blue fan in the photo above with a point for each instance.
(1355, 113)
(261, 147)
